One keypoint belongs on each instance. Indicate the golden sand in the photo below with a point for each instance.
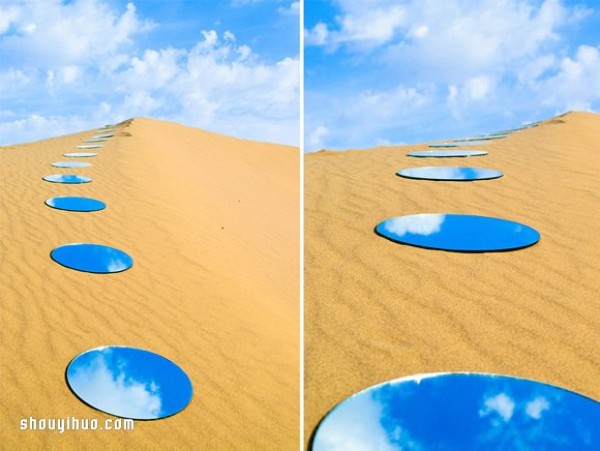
(212, 224)
(377, 310)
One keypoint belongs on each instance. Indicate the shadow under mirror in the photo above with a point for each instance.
(462, 174)
(446, 153)
(73, 203)
(461, 411)
(70, 164)
(94, 258)
(129, 382)
(67, 178)
(458, 232)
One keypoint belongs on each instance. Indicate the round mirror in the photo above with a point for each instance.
(72, 203)
(449, 173)
(80, 154)
(129, 382)
(458, 232)
(461, 411)
(70, 164)
(66, 178)
(94, 258)
(447, 153)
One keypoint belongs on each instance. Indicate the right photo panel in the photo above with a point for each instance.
(451, 225)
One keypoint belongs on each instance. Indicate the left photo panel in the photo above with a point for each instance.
(149, 224)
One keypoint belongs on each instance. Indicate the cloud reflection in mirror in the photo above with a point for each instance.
(458, 232)
(461, 411)
(449, 173)
(94, 258)
(129, 382)
(67, 178)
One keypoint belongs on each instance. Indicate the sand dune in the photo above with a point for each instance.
(376, 310)
(212, 224)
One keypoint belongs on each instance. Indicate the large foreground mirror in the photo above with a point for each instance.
(129, 382)
(74, 203)
(461, 411)
(95, 258)
(446, 153)
(66, 178)
(458, 232)
(449, 173)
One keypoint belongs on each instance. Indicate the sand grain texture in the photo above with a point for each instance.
(377, 310)
(212, 224)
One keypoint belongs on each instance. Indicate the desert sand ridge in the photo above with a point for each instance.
(212, 225)
(377, 310)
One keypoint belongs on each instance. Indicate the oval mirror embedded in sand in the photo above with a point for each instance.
(129, 382)
(74, 203)
(447, 153)
(459, 174)
(96, 140)
(461, 411)
(80, 154)
(89, 146)
(104, 135)
(443, 145)
(458, 232)
(94, 258)
(70, 164)
(66, 178)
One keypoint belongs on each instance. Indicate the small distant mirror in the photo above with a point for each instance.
(67, 178)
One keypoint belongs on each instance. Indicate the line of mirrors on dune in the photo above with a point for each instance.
(461, 411)
(468, 410)
(122, 381)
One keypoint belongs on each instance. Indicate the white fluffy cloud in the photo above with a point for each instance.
(466, 60)
(77, 64)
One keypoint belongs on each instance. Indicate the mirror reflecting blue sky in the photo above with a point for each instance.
(95, 258)
(450, 173)
(95, 140)
(73, 203)
(446, 153)
(70, 164)
(66, 178)
(129, 382)
(80, 154)
(481, 138)
(458, 412)
(89, 146)
(444, 145)
(458, 232)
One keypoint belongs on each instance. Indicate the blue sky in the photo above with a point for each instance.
(230, 66)
(404, 71)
